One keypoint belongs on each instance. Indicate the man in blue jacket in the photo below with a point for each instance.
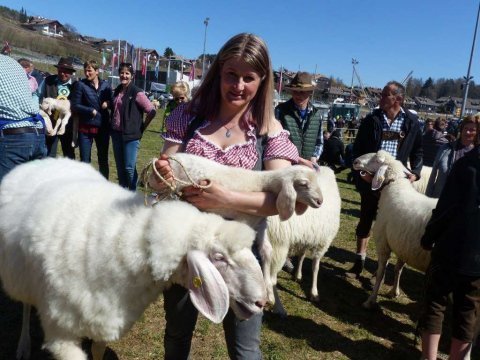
(396, 130)
(91, 100)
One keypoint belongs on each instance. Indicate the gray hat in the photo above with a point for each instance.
(302, 81)
(65, 63)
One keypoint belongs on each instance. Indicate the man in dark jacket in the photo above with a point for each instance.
(334, 151)
(91, 99)
(393, 129)
(454, 234)
(432, 139)
(301, 118)
(60, 86)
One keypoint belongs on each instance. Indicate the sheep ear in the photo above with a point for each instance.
(379, 177)
(286, 201)
(208, 291)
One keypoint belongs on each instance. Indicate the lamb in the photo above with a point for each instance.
(403, 214)
(93, 278)
(295, 183)
(50, 105)
(312, 232)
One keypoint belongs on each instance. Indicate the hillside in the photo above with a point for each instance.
(43, 50)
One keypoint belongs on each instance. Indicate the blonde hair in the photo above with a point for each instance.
(180, 88)
(253, 50)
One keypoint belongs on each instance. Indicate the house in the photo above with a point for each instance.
(453, 105)
(425, 104)
(45, 26)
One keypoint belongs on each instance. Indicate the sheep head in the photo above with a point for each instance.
(47, 105)
(299, 183)
(382, 165)
(225, 274)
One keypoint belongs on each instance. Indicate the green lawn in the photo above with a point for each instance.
(335, 328)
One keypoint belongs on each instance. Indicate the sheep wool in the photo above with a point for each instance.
(90, 256)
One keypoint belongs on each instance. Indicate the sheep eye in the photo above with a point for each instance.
(303, 183)
(218, 257)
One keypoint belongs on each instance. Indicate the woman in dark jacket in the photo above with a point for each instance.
(127, 125)
(453, 233)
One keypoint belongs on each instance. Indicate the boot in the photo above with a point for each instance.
(357, 268)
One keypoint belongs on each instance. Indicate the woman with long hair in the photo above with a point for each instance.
(228, 118)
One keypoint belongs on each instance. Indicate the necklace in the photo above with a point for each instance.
(228, 133)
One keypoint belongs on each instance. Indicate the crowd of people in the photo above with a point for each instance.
(230, 119)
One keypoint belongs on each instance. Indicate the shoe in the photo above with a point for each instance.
(356, 270)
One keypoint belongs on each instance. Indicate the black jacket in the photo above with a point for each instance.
(131, 115)
(369, 139)
(454, 228)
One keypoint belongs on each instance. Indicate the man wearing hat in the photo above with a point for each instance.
(60, 87)
(301, 118)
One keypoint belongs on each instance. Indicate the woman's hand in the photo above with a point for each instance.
(105, 105)
(215, 196)
(163, 167)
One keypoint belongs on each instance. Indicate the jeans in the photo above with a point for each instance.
(16, 149)
(85, 142)
(242, 337)
(125, 153)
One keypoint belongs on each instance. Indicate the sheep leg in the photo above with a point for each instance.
(395, 290)
(24, 344)
(278, 306)
(315, 269)
(298, 272)
(372, 300)
(48, 122)
(63, 123)
(75, 131)
(65, 350)
(98, 349)
(266, 252)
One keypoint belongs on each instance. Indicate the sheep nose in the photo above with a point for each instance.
(261, 303)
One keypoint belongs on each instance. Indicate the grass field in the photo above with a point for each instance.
(335, 328)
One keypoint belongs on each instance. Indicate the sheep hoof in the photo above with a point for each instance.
(393, 294)
(315, 298)
(370, 305)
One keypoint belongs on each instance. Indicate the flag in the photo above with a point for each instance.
(280, 80)
(191, 76)
(104, 59)
(114, 60)
(125, 53)
(157, 66)
(135, 59)
(132, 53)
(118, 50)
(144, 64)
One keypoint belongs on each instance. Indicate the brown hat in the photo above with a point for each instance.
(302, 81)
(65, 63)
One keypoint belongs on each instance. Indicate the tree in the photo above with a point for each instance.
(70, 28)
(428, 89)
(168, 52)
(22, 17)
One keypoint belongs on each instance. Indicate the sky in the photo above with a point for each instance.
(389, 39)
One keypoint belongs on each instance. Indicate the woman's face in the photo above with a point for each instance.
(125, 76)
(239, 83)
(469, 134)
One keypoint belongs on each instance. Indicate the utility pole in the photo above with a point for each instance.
(468, 77)
(204, 45)
(354, 62)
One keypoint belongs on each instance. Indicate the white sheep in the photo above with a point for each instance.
(90, 256)
(421, 184)
(313, 232)
(50, 106)
(402, 216)
(291, 184)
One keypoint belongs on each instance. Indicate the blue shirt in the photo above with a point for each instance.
(16, 106)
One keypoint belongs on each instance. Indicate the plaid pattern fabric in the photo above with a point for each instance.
(15, 95)
(391, 146)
